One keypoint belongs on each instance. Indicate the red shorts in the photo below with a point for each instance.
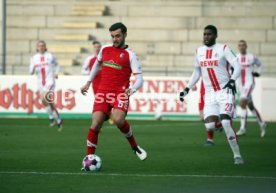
(106, 100)
(95, 89)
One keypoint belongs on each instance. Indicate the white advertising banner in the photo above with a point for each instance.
(19, 97)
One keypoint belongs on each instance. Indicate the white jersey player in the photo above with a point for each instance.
(46, 67)
(246, 86)
(212, 63)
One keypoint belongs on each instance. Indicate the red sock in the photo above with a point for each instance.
(128, 133)
(218, 125)
(210, 135)
(92, 141)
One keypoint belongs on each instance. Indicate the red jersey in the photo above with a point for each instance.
(117, 66)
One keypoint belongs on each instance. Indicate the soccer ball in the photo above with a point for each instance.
(91, 163)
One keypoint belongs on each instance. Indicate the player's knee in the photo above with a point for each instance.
(210, 126)
(96, 124)
(226, 123)
(119, 119)
(243, 103)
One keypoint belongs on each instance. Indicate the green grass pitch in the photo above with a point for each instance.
(35, 158)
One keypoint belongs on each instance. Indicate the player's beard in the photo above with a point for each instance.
(119, 44)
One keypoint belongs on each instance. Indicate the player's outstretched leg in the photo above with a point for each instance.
(212, 126)
(261, 122)
(92, 141)
(243, 114)
(210, 138)
(92, 136)
(51, 116)
(125, 128)
(232, 140)
(57, 117)
(242, 130)
(48, 101)
(256, 114)
(127, 131)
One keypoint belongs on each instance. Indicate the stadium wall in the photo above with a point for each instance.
(19, 97)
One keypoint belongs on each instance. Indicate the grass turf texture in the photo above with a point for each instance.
(36, 158)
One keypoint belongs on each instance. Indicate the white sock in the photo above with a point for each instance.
(243, 118)
(258, 117)
(231, 136)
(49, 111)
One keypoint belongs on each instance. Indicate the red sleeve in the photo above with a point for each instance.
(91, 63)
(201, 98)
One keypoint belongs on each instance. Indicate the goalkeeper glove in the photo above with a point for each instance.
(183, 94)
(256, 74)
(231, 86)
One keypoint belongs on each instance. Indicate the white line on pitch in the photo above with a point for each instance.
(136, 175)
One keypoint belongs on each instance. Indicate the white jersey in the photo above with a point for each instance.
(45, 66)
(247, 62)
(214, 63)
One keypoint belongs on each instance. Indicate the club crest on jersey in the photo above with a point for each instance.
(122, 55)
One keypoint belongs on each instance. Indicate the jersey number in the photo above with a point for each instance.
(123, 104)
(228, 107)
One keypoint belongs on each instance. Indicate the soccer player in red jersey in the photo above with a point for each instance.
(117, 63)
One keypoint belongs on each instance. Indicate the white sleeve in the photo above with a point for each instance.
(135, 64)
(96, 67)
(138, 82)
(196, 74)
(233, 60)
(260, 66)
(32, 66)
(195, 77)
(55, 62)
(85, 67)
(94, 71)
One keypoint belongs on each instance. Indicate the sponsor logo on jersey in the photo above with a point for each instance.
(208, 63)
(112, 64)
(245, 65)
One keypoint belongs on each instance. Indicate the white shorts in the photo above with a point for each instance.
(217, 103)
(46, 88)
(246, 92)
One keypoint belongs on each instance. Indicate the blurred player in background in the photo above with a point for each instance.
(246, 85)
(86, 69)
(118, 62)
(90, 60)
(46, 67)
(212, 64)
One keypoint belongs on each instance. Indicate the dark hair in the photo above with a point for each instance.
(243, 41)
(96, 42)
(118, 25)
(212, 28)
